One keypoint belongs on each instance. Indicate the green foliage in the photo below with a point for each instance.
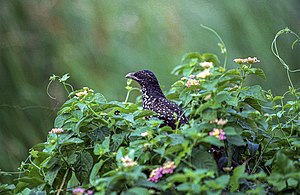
(239, 139)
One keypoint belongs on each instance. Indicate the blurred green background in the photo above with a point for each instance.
(98, 42)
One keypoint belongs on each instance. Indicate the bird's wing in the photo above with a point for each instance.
(168, 110)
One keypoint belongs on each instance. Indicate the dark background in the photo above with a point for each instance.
(98, 42)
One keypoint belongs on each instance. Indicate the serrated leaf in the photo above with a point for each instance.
(99, 133)
(83, 166)
(253, 92)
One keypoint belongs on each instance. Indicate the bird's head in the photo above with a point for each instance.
(143, 77)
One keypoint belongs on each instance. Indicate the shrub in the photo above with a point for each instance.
(240, 138)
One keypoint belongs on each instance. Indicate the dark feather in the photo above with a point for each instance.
(154, 99)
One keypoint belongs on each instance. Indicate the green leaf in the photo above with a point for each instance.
(83, 107)
(253, 92)
(6, 187)
(60, 119)
(83, 166)
(78, 114)
(181, 178)
(144, 113)
(212, 140)
(191, 55)
(112, 104)
(230, 131)
(128, 117)
(99, 133)
(137, 191)
(236, 140)
(222, 96)
(209, 57)
(176, 139)
(101, 149)
(203, 160)
(73, 181)
(219, 183)
(232, 101)
(95, 171)
(209, 115)
(259, 72)
(99, 98)
(252, 147)
(117, 140)
(73, 140)
(178, 84)
(51, 174)
(64, 78)
(238, 172)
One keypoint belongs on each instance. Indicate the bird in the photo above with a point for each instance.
(154, 99)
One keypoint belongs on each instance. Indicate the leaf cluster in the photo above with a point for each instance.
(259, 155)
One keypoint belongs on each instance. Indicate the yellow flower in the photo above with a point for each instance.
(81, 93)
(206, 65)
(192, 82)
(239, 61)
(144, 134)
(207, 97)
(128, 162)
(220, 121)
(203, 74)
(85, 91)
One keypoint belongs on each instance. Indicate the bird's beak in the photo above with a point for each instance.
(131, 76)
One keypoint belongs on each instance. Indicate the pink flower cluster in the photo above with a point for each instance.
(218, 133)
(81, 191)
(248, 60)
(167, 168)
(191, 81)
(56, 131)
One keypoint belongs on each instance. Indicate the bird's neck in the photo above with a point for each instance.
(149, 91)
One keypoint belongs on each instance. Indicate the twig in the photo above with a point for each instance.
(63, 182)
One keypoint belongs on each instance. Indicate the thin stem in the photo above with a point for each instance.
(275, 51)
(260, 156)
(223, 46)
(128, 92)
(48, 93)
(63, 182)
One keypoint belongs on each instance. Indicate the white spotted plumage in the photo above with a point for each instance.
(154, 99)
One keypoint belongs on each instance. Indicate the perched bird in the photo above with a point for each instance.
(155, 100)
